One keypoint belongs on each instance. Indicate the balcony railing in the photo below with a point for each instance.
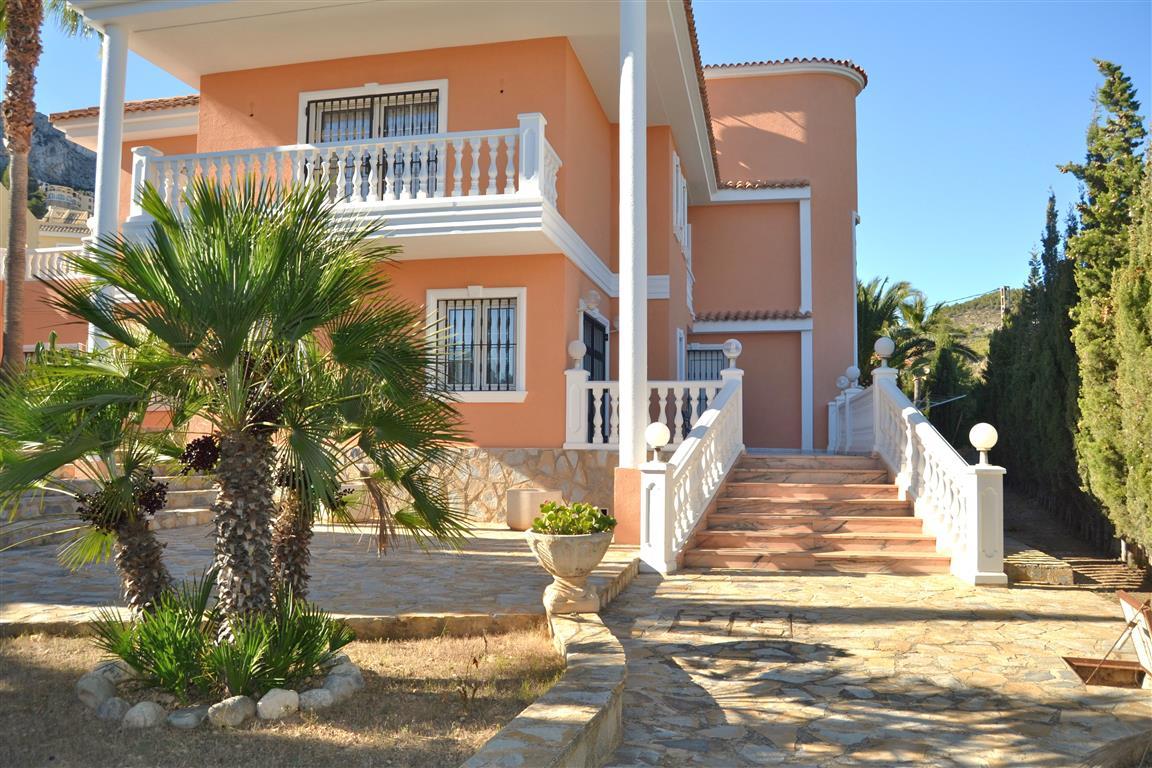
(502, 163)
(47, 263)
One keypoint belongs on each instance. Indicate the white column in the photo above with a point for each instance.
(805, 255)
(109, 140)
(807, 396)
(633, 233)
(110, 137)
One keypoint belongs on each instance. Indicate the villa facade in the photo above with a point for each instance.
(492, 156)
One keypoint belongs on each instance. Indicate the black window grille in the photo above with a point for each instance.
(596, 363)
(363, 118)
(704, 364)
(359, 118)
(477, 340)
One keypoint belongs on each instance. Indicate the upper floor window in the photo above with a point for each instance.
(680, 226)
(479, 335)
(359, 115)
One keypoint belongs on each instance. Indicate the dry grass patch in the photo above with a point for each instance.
(427, 703)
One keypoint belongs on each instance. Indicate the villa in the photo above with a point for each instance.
(608, 233)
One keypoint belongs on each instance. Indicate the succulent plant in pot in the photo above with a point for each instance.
(569, 541)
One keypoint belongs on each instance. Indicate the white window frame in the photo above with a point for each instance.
(520, 293)
(601, 318)
(373, 89)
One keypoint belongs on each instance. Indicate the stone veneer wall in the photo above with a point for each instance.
(480, 479)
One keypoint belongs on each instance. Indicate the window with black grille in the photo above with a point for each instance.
(704, 364)
(359, 118)
(477, 344)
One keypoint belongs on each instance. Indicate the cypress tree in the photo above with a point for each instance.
(1132, 297)
(1110, 176)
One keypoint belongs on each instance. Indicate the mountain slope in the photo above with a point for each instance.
(55, 160)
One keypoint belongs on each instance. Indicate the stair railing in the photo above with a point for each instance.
(962, 505)
(675, 495)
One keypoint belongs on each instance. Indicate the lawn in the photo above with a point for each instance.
(412, 713)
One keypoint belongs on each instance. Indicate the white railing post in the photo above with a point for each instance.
(532, 154)
(140, 167)
(982, 562)
(576, 397)
(656, 513)
(884, 347)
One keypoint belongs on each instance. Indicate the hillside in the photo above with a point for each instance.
(55, 160)
(977, 318)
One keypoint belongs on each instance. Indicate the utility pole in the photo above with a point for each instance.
(1005, 303)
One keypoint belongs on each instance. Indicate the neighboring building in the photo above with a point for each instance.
(491, 142)
(67, 198)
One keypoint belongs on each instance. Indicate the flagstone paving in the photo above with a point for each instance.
(494, 572)
(742, 669)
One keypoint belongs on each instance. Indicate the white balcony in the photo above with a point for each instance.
(47, 263)
(495, 184)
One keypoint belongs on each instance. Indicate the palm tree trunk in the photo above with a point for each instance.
(140, 560)
(291, 542)
(15, 266)
(243, 513)
(22, 54)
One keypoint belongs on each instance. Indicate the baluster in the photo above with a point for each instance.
(678, 420)
(387, 177)
(233, 174)
(357, 175)
(419, 162)
(216, 172)
(614, 419)
(252, 165)
(441, 169)
(458, 167)
(399, 176)
(492, 165)
(598, 415)
(373, 175)
(510, 169)
(341, 178)
(474, 189)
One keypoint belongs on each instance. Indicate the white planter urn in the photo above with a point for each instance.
(570, 560)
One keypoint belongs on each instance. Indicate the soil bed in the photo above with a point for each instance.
(412, 712)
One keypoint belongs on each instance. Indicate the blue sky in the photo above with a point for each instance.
(969, 108)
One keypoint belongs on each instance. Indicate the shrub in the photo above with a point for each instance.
(175, 647)
(571, 519)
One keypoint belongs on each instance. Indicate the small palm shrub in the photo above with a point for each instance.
(176, 647)
(571, 519)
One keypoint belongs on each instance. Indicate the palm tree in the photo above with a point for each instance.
(20, 22)
(405, 427)
(245, 290)
(88, 411)
(879, 310)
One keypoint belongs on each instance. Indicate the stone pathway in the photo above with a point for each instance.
(751, 669)
(493, 573)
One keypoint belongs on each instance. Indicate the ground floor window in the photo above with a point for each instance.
(479, 335)
(703, 362)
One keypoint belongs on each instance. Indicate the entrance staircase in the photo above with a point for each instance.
(813, 513)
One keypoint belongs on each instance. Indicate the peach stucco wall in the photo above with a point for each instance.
(41, 319)
(488, 86)
(797, 126)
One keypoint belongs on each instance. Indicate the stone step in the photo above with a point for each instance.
(808, 461)
(813, 523)
(181, 499)
(838, 541)
(810, 491)
(836, 507)
(188, 482)
(820, 476)
(180, 518)
(834, 562)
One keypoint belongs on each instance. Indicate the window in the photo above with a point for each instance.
(704, 362)
(375, 116)
(479, 335)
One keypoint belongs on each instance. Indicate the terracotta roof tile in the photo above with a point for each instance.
(752, 314)
(846, 63)
(702, 85)
(146, 105)
(763, 184)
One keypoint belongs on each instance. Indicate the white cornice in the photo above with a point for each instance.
(752, 326)
(786, 68)
(765, 195)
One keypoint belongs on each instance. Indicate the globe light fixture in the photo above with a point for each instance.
(884, 348)
(576, 350)
(732, 349)
(983, 437)
(657, 435)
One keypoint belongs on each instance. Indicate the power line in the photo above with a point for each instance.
(973, 296)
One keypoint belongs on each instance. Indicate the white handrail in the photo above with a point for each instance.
(962, 505)
(48, 263)
(593, 414)
(516, 161)
(675, 496)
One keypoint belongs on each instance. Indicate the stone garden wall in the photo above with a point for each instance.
(480, 479)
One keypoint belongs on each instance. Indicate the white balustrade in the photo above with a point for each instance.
(674, 496)
(592, 408)
(378, 172)
(962, 505)
(48, 263)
